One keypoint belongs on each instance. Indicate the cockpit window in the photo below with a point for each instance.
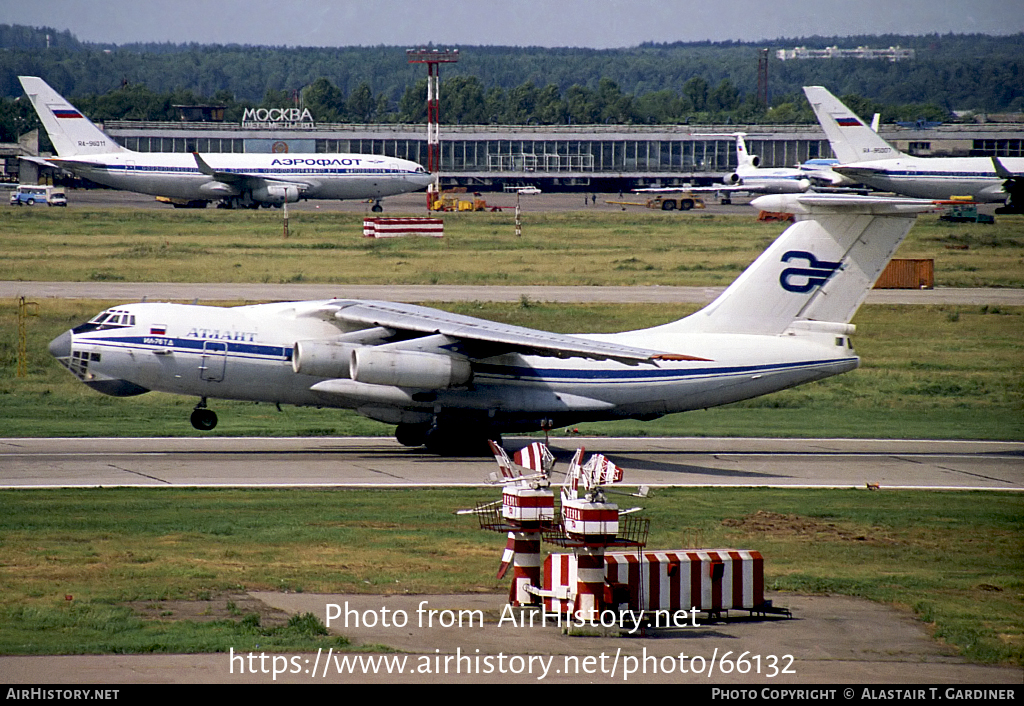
(106, 320)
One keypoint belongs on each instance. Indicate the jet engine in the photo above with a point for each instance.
(276, 193)
(409, 369)
(322, 359)
(732, 179)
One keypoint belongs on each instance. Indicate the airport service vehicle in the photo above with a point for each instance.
(670, 200)
(451, 382)
(30, 195)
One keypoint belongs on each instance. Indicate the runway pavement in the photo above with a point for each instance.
(382, 462)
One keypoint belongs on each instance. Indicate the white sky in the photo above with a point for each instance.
(548, 23)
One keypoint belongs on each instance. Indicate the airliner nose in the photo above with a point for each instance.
(60, 347)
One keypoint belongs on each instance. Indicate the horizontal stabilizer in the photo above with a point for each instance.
(842, 203)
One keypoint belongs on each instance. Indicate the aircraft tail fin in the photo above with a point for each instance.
(818, 272)
(851, 139)
(744, 160)
(71, 133)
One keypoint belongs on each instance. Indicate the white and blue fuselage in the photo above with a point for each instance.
(316, 176)
(219, 352)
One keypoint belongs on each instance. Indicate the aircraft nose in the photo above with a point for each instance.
(60, 347)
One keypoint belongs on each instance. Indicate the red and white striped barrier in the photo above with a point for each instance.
(708, 580)
(399, 227)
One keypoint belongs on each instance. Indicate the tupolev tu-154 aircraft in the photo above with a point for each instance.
(236, 180)
(866, 158)
(750, 177)
(451, 382)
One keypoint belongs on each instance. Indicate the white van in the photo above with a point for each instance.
(30, 195)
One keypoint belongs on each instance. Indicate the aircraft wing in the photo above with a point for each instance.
(692, 189)
(501, 338)
(235, 178)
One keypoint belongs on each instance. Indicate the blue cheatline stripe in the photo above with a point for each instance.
(629, 374)
(944, 175)
(641, 374)
(254, 171)
(190, 345)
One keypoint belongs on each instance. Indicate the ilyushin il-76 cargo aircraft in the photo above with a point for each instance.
(235, 180)
(450, 382)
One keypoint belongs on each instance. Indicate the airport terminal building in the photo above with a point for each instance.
(558, 158)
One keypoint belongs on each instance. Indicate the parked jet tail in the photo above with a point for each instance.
(71, 133)
(818, 272)
(852, 140)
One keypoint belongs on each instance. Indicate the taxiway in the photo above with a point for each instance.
(382, 462)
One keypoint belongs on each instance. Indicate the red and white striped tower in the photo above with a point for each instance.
(592, 522)
(527, 506)
(433, 58)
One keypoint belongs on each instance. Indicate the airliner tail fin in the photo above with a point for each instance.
(71, 133)
(851, 139)
(818, 272)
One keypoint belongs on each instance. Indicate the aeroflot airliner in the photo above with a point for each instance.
(868, 159)
(236, 180)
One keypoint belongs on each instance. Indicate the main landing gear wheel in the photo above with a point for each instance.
(203, 419)
(412, 434)
(465, 442)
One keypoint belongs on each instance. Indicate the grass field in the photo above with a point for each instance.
(954, 559)
(573, 248)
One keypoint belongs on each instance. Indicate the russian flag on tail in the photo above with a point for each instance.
(65, 112)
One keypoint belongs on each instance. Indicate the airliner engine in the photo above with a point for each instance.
(409, 369)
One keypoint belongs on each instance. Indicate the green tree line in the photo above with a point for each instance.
(650, 84)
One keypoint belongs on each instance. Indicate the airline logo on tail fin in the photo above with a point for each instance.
(813, 276)
(846, 121)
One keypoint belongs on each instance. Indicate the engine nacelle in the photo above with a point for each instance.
(409, 369)
(322, 358)
(731, 179)
(755, 161)
(276, 193)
